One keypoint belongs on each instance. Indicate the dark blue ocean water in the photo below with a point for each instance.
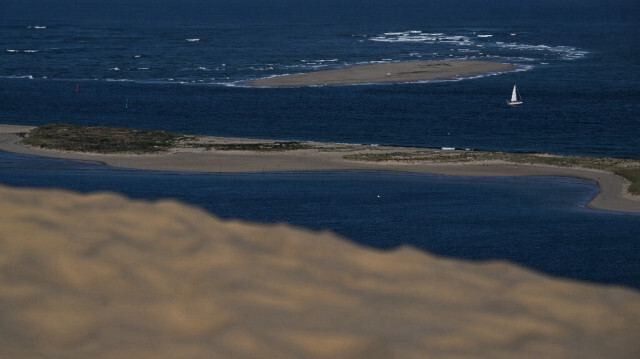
(579, 70)
(180, 66)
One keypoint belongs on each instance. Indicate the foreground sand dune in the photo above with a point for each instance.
(101, 276)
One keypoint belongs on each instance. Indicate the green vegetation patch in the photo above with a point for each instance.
(632, 175)
(435, 64)
(122, 140)
(100, 139)
(429, 156)
(261, 147)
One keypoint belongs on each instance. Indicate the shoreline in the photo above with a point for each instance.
(612, 195)
(394, 72)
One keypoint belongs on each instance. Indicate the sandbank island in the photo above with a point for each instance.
(395, 72)
(618, 179)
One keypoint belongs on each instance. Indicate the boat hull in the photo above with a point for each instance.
(514, 103)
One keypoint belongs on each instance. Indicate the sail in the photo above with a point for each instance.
(514, 95)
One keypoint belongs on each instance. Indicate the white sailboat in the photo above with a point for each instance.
(515, 98)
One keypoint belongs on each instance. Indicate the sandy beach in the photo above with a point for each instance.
(325, 157)
(397, 72)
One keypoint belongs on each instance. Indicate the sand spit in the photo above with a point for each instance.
(102, 276)
(396, 72)
(612, 196)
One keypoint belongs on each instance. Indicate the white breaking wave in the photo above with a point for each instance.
(266, 68)
(304, 64)
(193, 40)
(373, 62)
(565, 52)
(463, 43)
(14, 51)
(419, 36)
(320, 61)
(28, 77)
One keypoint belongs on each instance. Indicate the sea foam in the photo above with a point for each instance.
(464, 42)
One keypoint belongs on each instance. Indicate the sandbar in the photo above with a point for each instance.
(612, 194)
(395, 72)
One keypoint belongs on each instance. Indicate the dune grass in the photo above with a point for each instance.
(628, 169)
(100, 139)
(632, 175)
(108, 140)
(259, 146)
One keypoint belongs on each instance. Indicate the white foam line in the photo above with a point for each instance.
(28, 77)
(409, 36)
(15, 51)
(269, 68)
